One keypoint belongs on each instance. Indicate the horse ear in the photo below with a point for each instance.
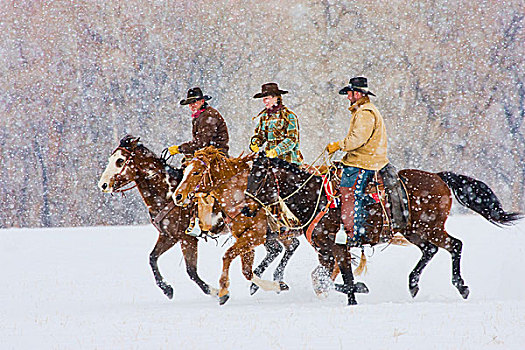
(129, 141)
(261, 155)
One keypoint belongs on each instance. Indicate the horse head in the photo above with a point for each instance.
(132, 162)
(119, 172)
(197, 176)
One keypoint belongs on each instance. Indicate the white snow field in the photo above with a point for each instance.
(92, 288)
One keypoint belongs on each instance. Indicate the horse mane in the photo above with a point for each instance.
(293, 168)
(211, 153)
(175, 173)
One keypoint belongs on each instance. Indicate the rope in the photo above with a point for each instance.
(164, 155)
(307, 180)
(268, 211)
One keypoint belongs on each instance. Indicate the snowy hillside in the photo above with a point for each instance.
(91, 288)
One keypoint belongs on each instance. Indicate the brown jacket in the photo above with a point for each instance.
(208, 129)
(366, 141)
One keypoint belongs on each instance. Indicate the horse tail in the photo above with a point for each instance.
(362, 265)
(477, 196)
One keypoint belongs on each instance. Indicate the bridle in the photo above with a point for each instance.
(201, 182)
(128, 162)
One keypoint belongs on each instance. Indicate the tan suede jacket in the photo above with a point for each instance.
(366, 141)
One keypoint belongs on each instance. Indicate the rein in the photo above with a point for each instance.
(203, 177)
(307, 180)
(209, 192)
(267, 206)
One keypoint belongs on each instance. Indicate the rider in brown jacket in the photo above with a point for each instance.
(208, 126)
(208, 129)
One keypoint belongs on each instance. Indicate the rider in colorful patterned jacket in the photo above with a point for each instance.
(366, 152)
(278, 127)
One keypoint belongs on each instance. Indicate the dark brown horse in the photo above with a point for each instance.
(430, 200)
(213, 174)
(156, 181)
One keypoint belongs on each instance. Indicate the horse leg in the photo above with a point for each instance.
(247, 265)
(428, 250)
(291, 247)
(244, 247)
(163, 244)
(454, 247)
(344, 261)
(321, 279)
(189, 251)
(273, 249)
(224, 281)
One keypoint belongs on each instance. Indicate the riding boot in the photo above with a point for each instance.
(347, 210)
(194, 227)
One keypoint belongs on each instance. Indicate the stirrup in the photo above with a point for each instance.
(341, 237)
(194, 228)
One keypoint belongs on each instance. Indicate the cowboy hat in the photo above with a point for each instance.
(357, 84)
(194, 94)
(270, 89)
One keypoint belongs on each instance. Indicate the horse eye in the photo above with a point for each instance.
(119, 162)
(196, 173)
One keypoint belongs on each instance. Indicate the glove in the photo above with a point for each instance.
(174, 150)
(333, 147)
(254, 148)
(271, 153)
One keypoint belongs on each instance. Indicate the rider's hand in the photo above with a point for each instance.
(174, 150)
(333, 147)
(254, 148)
(271, 153)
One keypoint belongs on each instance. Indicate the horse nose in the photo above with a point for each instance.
(104, 186)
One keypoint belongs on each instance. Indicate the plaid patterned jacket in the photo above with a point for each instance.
(280, 131)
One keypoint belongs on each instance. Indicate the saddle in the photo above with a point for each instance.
(397, 197)
(385, 185)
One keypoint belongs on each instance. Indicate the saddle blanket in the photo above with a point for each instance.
(330, 192)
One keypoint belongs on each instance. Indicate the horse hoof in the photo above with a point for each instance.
(253, 288)
(413, 291)
(361, 288)
(168, 291)
(464, 291)
(213, 292)
(283, 286)
(224, 299)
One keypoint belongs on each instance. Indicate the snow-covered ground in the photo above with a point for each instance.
(91, 288)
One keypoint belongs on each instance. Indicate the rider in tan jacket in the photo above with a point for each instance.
(366, 142)
(366, 148)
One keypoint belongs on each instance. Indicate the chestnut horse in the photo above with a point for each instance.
(156, 181)
(212, 173)
(430, 200)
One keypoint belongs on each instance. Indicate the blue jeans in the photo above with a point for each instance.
(353, 184)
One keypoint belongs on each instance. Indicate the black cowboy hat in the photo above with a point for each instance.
(194, 94)
(270, 89)
(357, 84)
